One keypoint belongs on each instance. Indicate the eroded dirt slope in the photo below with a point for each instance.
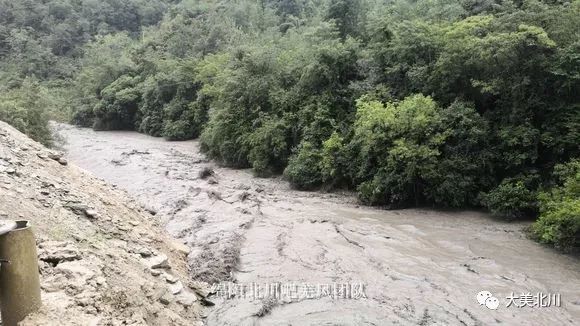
(420, 267)
(103, 259)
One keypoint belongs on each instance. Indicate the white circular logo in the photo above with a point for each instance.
(492, 303)
(482, 296)
(485, 298)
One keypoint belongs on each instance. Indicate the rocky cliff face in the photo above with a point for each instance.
(103, 260)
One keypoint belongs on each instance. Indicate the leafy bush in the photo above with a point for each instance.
(385, 189)
(179, 118)
(167, 107)
(511, 199)
(269, 146)
(303, 170)
(334, 161)
(83, 116)
(241, 103)
(25, 108)
(559, 222)
(157, 91)
(400, 144)
(413, 152)
(118, 105)
(222, 139)
(184, 119)
(464, 165)
(178, 130)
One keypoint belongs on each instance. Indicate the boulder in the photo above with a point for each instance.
(159, 262)
(166, 298)
(75, 270)
(170, 278)
(186, 298)
(176, 288)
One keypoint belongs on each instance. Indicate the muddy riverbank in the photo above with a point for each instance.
(417, 266)
(102, 260)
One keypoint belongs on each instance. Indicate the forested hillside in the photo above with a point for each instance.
(41, 47)
(445, 103)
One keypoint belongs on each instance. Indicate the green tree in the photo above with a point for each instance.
(559, 222)
(25, 108)
(346, 14)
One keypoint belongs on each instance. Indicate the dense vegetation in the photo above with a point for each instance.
(435, 102)
(41, 47)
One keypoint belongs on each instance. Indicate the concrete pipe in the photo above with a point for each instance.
(19, 277)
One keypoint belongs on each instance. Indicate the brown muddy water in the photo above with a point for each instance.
(418, 267)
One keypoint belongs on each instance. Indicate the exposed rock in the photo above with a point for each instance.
(161, 262)
(180, 247)
(91, 213)
(206, 172)
(216, 195)
(244, 195)
(166, 298)
(54, 156)
(144, 252)
(76, 270)
(91, 275)
(242, 187)
(42, 156)
(123, 227)
(176, 288)
(212, 181)
(201, 288)
(55, 253)
(170, 278)
(186, 298)
(85, 300)
(82, 209)
(76, 207)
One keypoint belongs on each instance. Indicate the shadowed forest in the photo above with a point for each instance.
(439, 103)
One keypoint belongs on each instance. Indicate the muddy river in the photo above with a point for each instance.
(304, 258)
